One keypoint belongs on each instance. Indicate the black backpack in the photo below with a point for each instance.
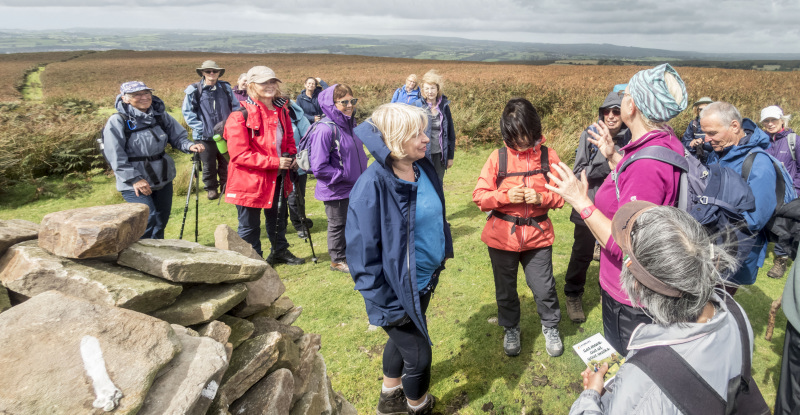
(129, 127)
(690, 392)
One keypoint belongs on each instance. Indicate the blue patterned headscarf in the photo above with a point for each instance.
(651, 94)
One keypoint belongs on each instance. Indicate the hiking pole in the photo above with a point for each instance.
(197, 169)
(281, 198)
(302, 213)
(195, 161)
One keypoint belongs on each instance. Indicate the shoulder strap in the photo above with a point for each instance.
(660, 153)
(780, 184)
(733, 308)
(792, 139)
(684, 387)
(198, 89)
(502, 165)
(545, 163)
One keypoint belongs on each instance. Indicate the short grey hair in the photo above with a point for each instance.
(724, 110)
(677, 250)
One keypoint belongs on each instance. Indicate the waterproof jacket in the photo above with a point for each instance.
(380, 236)
(240, 94)
(336, 165)
(447, 135)
(592, 161)
(791, 295)
(142, 143)
(762, 182)
(300, 124)
(252, 145)
(216, 103)
(779, 148)
(404, 97)
(497, 233)
(311, 106)
(694, 131)
(713, 349)
(649, 180)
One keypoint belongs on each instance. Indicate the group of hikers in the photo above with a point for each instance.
(667, 279)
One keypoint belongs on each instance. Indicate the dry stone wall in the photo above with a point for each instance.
(94, 320)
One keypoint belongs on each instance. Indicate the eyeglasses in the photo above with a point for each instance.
(769, 121)
(344, 102)
(211, 71)
(140, 94)
(614, 111)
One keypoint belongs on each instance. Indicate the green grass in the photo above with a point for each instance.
(469, 368)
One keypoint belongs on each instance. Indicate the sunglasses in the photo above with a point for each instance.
(344, 102)
(211, 71)
(614, 111)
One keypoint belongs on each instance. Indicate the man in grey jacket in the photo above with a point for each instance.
(208, 103)
(595, 165)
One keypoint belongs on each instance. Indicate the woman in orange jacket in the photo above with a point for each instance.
(518, 231)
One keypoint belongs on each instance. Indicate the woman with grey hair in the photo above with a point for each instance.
(240, 90)
(651, 99)
(671, 270)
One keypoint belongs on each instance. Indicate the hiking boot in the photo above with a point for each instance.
(426, 409)
(213, 194)
(778, 267)
(340, 266)
(552, 341)
(284, 257)
(596, 254)
(511, 342)
(575, 309)
(392, 403)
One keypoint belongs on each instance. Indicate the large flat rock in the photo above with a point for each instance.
(227, 239)
(94, 231)
(318, 397)
(202, 303)
(29, 270)
(56, 349)
(184, 261)
(249, 363)
(241, 329)
(270, 396)
(189, 383)
(261, 294)
(277, 309)
(15, 231)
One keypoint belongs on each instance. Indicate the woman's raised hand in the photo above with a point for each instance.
(565, 184)
(601, 137)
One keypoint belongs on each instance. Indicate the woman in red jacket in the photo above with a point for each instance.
(518, 230)
(257, 139)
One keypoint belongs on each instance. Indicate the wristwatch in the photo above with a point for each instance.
(587, 211)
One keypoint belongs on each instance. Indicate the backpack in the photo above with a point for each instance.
(715, 196)
(792, 140)
(198, 90)
(688, 391)
(784, 226)
(304, 145)
(129, 127)
(502, 168)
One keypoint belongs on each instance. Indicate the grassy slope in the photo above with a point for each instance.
(469, 368)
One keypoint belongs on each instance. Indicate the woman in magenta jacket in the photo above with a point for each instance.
(652, 98)
(256, 172)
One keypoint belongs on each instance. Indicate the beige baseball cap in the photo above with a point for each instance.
(259, 74)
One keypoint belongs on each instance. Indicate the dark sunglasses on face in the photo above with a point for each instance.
(211, 71)
(344, 102)
(614, 111)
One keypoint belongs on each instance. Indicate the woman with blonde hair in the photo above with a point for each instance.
(652, 97)
(442, 146)
(398, 240)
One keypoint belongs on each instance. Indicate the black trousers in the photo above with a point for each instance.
(619, 321)
(538, 267)
(579, 261)
(787, 401)
(297, 201)
(408, 355)
(214, 165)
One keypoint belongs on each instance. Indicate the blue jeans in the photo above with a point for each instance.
(250, 225)
(160, 204)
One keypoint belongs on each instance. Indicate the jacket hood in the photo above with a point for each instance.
(369, 134)
(156, 108)
(325, 100)
(754, 137)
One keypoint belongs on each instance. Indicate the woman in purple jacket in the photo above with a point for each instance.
(782, 146)
(337, 159)
(652, 98)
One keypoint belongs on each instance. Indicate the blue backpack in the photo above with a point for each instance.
(784, 226)
(714, 195)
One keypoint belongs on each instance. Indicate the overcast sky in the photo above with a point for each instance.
(692, 25)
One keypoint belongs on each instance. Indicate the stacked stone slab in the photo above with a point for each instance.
(95, 320)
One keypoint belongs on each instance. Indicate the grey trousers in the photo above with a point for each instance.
(336, 211)
(538, 267)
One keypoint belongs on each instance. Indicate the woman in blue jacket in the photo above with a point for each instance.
(408, 93)
(307, 99)
(397, 269)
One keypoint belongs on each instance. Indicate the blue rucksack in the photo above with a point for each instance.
(784, 226)
(714, 195)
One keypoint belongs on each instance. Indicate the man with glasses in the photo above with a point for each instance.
(208, 103)
(590, 161)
